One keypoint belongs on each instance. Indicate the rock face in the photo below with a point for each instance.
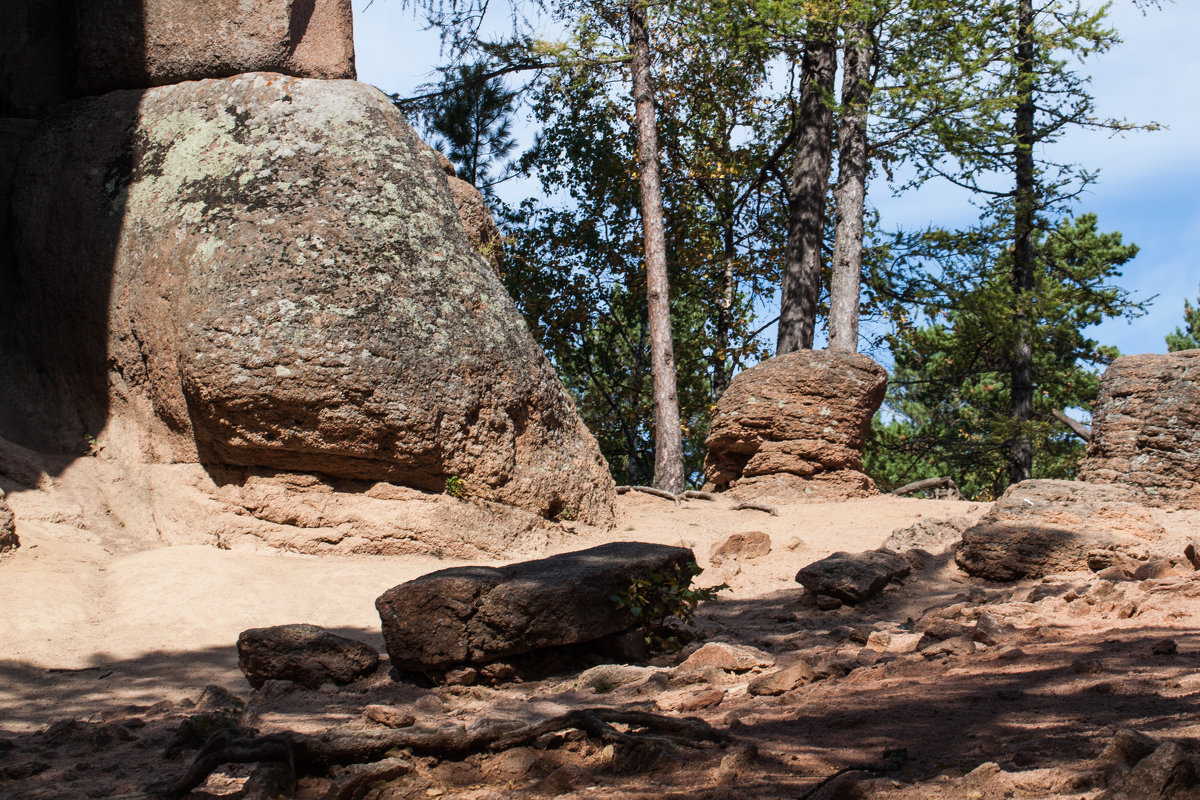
(805, 413)
(853, 577)
(1146, 429)
(36, 56)
(475, 615)
(1042, 527)
(268, 272)
(131, 44)
(8, 530)
(475, 216)
(306, 654)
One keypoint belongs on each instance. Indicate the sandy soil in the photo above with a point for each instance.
(111, 635)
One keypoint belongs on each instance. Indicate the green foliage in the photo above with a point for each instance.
(456, 487)
(1186, 338)
(947, 410)
(662, 602)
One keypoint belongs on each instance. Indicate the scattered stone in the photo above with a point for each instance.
(1128, 747)
(1100, 560)
(853, 577)
(794, 543)
(306, 654)
(942, 629)
(390, 717)
(988, 630)
(706, 699)
(467, 676)
(1042, 527)
(218, 698)
(781, 681)
(1193, 557)
(136, 44)
(827, 602)
(955, 646)
(1164, 647)
(931, 535)
(728, 657)
(1144, 429)
(476, 615)
(803, 413)
(606, 677)
(754, 544)
(1114, 574)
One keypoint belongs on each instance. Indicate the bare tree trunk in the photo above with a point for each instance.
(851, 193)
(1020, 453)
(668, 444)
(806, 200)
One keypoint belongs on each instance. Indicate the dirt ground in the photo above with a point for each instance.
(116, 642)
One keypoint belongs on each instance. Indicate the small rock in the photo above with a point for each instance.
(429, 704)
(1128, 747)
(1100, 560)
(942, 629)
(1113, 574)
(461, 677)
(954, 646)
(1164, 647)
(218, 698)
(606, 677)
(498, 672)
(853, 577)
(794, 543)
(1152, 569)
(784, 680)
(988, 630)
(707, 699)
(729, 657)
(827, 602)
(754, 544)
(306, 654)
(741, 758)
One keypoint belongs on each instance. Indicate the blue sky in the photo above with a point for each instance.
(1149, 186)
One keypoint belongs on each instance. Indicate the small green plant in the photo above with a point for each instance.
(455, 487)
(664, 603)
(566, 515)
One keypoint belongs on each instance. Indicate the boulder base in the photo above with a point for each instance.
(1041, 527)
(475, 615)
(1146, 429)
(266, 271)
(805, 414)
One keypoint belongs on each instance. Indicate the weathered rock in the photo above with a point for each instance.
(268, 272)
(1041, 527)
(853, 577)
(8, 529)
(1146, 428)
(781, 681)
(1128, 747)
(728, 657)
(481, 614)
(753, 544)
(306, 654)
(1165, 774)
(133, 44)
(803, 413)
(606, 677)
(932, 535)
(478, 222)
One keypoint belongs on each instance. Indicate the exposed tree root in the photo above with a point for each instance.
(373, 752)
(692, 494)
(772, 510)
(927, 484)
(663, 493)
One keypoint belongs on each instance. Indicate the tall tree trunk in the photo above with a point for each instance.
(806, 195)
(1020, 453)
(851, 193)
(668, 444)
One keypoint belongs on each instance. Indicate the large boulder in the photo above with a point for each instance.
(36, 56)
(476, 615)
(268, 272)
(1146, 429)
(1042, 527)
(475, 216)
(805, 413)
(130, 44)
(853, 577)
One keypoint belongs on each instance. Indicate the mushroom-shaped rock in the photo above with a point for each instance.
(306, 654)
(804, 413)
(476, 615)
(268, 272)
(1146, 429)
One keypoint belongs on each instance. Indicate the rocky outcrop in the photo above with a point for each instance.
(853, 577)
(306, 654)
(804, 414)
(476, 615)
(475, 216)
(268, 272)
(130, 44)
(1042, 527)
(1146, 428)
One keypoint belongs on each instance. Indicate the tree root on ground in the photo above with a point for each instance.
(370, 756)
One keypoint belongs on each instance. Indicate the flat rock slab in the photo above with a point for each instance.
(853, 577)
(306, 654)
(1042, 527)
(476, 615)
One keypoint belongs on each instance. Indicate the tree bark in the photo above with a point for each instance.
(806, 194)
(851, 193)
(1020, 452)
(668, 440)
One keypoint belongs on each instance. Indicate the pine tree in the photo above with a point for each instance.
(1186, 338)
